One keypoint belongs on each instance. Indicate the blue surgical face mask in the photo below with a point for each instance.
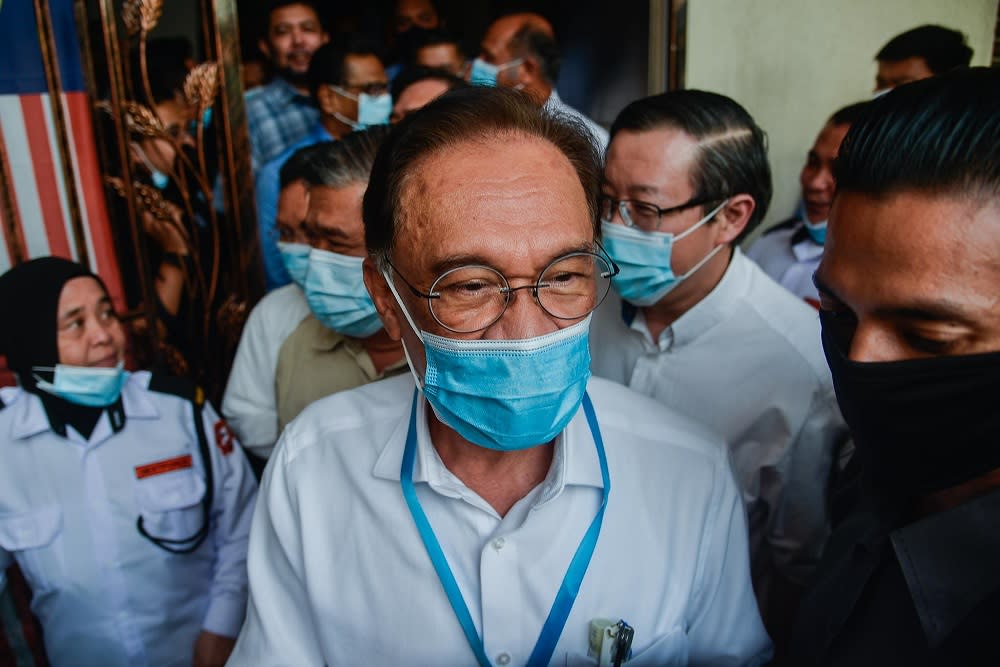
(504, 394)
(645, 259)
(296, 259)
(85, 385)
(485, 74)
(816, 230)
(160, 180)
(372, 109)
(337, 296)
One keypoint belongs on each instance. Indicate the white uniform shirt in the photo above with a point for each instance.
(747, 363)
(790, 257)
(106, 595)
(339, 574)
(250, 404)
(598, 133)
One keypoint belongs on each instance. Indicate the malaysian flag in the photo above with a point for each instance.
(36, 215)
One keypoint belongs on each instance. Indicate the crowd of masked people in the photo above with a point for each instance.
(517, 395)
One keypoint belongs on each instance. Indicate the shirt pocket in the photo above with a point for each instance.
(31, 537)
(666, 651)
(170, 505)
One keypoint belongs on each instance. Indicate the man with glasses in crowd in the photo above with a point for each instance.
(452, 522)
(699, 327)
(350, 87)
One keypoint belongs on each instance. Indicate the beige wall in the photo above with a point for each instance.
(792, 63)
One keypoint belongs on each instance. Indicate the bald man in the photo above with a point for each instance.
(519, 51)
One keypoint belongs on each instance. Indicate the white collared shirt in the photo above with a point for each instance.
(250, 402)
(105, 595)
(747, 363)
(339, 574)
(598, 134)
(791, 258)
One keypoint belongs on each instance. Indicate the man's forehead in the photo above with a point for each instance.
(290, 14)
(363, 68)
(491, 168)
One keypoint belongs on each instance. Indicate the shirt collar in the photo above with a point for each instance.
(803, 247)
(574, 461)
(714, 308)
(323, 338)
(30, 417)
(285, 93)
(949, 560)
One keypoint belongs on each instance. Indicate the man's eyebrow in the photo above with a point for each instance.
(465, 259)
(928, 310)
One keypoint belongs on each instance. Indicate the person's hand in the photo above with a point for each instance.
(212, 650)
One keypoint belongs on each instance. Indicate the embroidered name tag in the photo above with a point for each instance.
(164, 466)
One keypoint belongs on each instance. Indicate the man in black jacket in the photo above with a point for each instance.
(911, 330)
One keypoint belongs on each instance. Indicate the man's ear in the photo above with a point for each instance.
(264, 47)
(385, 302)
(532, 70)
(732, 218)
(327, 100)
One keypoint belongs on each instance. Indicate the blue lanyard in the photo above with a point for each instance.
(566, 596)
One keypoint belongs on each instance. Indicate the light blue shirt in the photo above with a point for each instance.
(267, 184)
(339, 574)
(105, 595)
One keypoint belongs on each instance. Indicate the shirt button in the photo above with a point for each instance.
(503, 659)
(498, 545)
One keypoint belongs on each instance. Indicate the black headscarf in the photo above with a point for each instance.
(29, 300)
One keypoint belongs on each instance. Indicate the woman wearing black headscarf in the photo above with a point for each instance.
(110, 484)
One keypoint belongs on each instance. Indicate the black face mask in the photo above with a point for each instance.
(920, 425)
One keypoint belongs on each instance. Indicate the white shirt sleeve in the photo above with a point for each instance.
(249, 403)
(725, 626)
(799, 523)
(235, 491)
(279, 628)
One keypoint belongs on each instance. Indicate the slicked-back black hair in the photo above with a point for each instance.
(940, 134)
(732, 149)
(850, 114)
(941, 48)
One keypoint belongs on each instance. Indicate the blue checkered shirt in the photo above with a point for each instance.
(278, 117)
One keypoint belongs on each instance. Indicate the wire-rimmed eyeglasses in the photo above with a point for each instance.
(470, 298)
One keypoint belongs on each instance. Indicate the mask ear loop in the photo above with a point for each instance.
(409, 321)
(710, 255)
(341, 117)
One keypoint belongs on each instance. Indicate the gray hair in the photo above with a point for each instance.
(341, 163)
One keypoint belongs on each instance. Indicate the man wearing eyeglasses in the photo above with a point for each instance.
(702, 329)
(350, 87)
(508, 509)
